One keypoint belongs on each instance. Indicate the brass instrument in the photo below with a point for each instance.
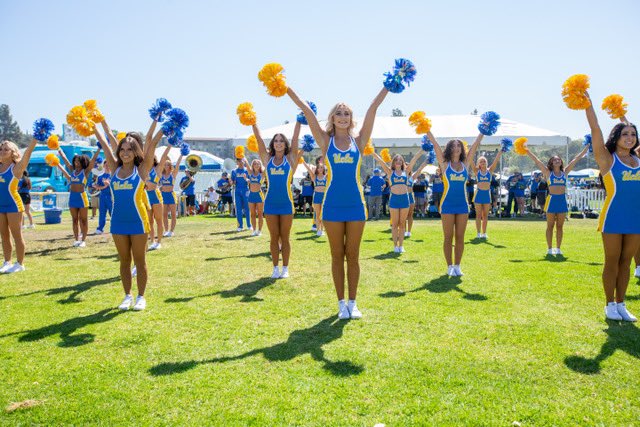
(193, 163)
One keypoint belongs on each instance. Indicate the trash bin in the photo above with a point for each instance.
(48, 201)
(52, 216)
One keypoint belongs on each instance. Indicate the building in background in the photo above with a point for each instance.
(220, 147)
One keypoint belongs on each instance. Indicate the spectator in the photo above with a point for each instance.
(541, 194)
(224, 190)
(306, 194)
(519, 190)
(188, 187)
(24, 186)
(376, 184)
(437, 188)
(386, 193)
(420, 191)
(512, 182)
(533, 189)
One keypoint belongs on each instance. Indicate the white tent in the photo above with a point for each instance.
(396, 131)
(206, 177)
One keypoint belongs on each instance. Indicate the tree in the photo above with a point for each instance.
(9, 129)
(396, 112)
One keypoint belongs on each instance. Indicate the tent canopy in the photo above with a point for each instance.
(396, 131)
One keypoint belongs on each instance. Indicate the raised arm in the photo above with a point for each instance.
(538, 163)
(107, 130)
(321, 136)
(472, 152)
(495, 161)
(65, 160)
(413, 161)
(149, 149)
(418, 171)
(176, 169)
(163, 159)
(262, 148)
(306, 165)
(600, 152)
(21, 166)
(436, 148)
(109, 155)
(294, 154)
(576, 159)
(92, 162)
(382, 163)
(64, 172)
(370, 118)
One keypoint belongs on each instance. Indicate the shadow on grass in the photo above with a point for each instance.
(555, 258)
(303, 341)
(476, 241)
(256, 255)
(241, 237)
(75, 290)
(49, 251)
(623, 336)
(445, 284)
(247, 292)
(388, 255)
(67, 329)
(216, 233)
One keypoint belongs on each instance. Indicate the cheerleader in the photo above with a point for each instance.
(556, 204)
(169, 198)
(620, 169)
(129, 221)
(344, 210)
(256, 196)
(79, 170)
(454, 206)
(106, 203)
(412, 199)
(155, 201)
(24, 187)
(399, 202)
(482, 196)
(12, 165)
(281, 159)
(319, 176)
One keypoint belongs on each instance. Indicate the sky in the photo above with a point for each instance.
(203, 56)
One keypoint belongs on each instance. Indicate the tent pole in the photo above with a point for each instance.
(500, 189)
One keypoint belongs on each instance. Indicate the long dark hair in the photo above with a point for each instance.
(615, 134)
(448, 150)
(84, 161)
(550, 163)
(132, 138)
(287, 146)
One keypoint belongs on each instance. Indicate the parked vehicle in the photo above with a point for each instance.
(47, 178)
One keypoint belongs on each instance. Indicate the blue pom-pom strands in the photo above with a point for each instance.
(185, 149)
(175, 140)
(159, 108)
(308, 143)
(431, 158)
(176, 122)
(506, 145)
(489, 123)
(587, 141)
(427, 145)
(403, 72)
(302, 119)
(42, 129)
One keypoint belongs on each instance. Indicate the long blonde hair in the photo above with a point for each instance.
(330, 128)
(15, 156)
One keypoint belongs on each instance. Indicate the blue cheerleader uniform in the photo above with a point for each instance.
(318, 196)
(412, 200)
(168, 197)
(343, 198)
(279, 200)
(483, 197)
(454, 198)
(556, 203)
(256, 196)
(155, 196)
(398, 201)
(78, 199)
(129, 204)
(622, 204)
(10, 201)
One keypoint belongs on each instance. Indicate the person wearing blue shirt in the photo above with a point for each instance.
(189, 190)
(386, 194)
(437, 188)
(533, 190)
(24, 186)
(240, 180)
(306, 195)
(376, 184)
(518, 193)
(106, 204)
(223, 188)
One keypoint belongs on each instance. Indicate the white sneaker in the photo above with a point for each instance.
(171, 234)
(7, 265)
(395, 249)
(250, 229)
(134, 271)
(313, 227)
(285, 272)
(31, 226)
(15, 268)
(239, 229)
(166, 234)
(637, 273)
(153, 246)
(126, 303)
(76, 243)
(353, 310)
(319, 233)
(258, 233)
(451, 272)
(558, 251)
(276, 273)
(140, 304)
(458, 271)
(611, 311)
(98, 232)
(401, 249)
(82, 244)
(479, 236)
(484, 236)
(551, 252)
(343, 310)
(407, 234)
(622, 311)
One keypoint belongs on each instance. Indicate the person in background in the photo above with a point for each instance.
(512, 182)
(211, 199)
(518, 192)
(541, 194)
(533, 191)
(94, 202)
(24, 186)
(437, 188)
(386, 193)
(188, 186)
(106, 204)
(376, 184)
(420, 191)
(306, 195)
(224, 190)
(240, 180)
(495, 193)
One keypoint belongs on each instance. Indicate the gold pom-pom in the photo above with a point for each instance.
(520, 146)
(419, 120)
(369, 148)
(120, 136)
(300, 159)
(85, 129)
(52, 160)
(272, 78)
(53, 142)
(465, 146)
(384, 153)
(252, 144)
(574, 92)
(615, 106)
(239, 152)
(91, 105)
(78, 119)
(246, 114)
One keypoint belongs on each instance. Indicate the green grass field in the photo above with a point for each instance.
(520, 337)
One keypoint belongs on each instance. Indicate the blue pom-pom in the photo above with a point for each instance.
(177, 121)
(159, 108)
(431, 157)
(427, 145)
(42, 129)
(308, 143)
(587, 141)
(185, 149)
(99, 160)
(175, 140)
(403, 72)
(489, 123)
(99, 145)
(302, 119)
(506, 145)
